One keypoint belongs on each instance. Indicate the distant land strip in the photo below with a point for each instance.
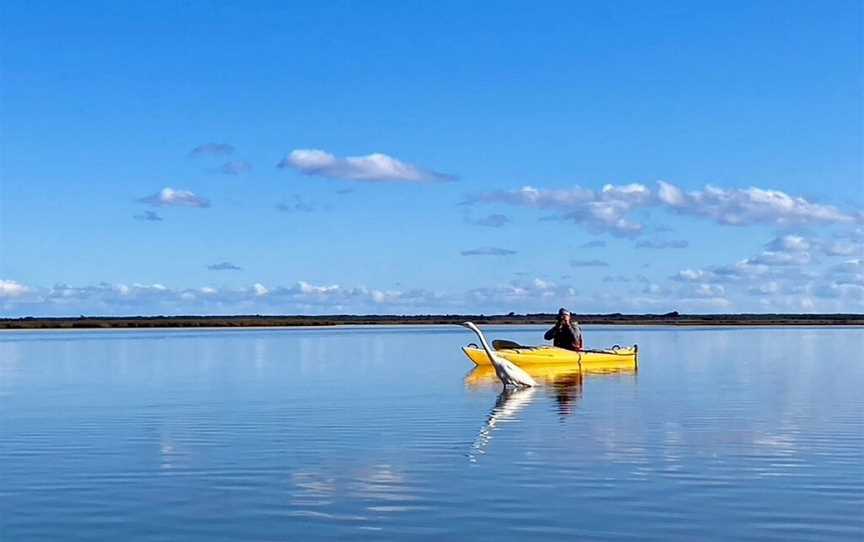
(667, 319)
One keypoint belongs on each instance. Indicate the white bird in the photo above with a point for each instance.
(510, 374)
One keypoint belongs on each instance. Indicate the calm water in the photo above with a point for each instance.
(381, 434)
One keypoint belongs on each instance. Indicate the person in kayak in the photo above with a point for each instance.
(566, 333)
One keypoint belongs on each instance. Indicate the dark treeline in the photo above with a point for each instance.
(672, 318)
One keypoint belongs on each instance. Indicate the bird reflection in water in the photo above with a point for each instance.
(564, 384)
(508, 404)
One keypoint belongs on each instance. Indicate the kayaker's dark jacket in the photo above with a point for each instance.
(562, 336)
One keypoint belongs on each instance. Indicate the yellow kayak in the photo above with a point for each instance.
(611, 359)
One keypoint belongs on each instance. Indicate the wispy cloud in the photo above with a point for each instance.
(212, 149)
(170, 197)
(840, 289)
(602, 211)
(842, 245)
(593, 244)
(120, 299)
(707, 291)
(782, 277)
(740, 207)
(789, 243)
(375, 167)
(488, 251)
(848, 272)
(609, 209)
(149, 216)
(775, 258)
(298, 205)
(589, 263)
(519, 292)
(224, 266)
(235, 167)
(490, 221)
(842, 248)
(661, 244)
(692, 275)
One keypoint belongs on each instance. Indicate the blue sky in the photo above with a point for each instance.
(408, 157)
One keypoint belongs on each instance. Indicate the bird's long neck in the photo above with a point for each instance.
(483, 342)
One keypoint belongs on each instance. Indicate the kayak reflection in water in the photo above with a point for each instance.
(566, 333)
(568, 391)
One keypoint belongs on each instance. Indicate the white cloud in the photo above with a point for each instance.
(170, 197)
(786, 277)
(708, 290)
(739, 207)
(765, 288)
(260, 290)
(306, 288)
(765, 266)
(691, 275)
(149, 299)
(106, 294)
(531, 295)
(847, 243)
(374, 167)
(670, 195)
(789, 243)
(608, 216)
(519, 293)
(634, 193)
(602, 211)
(609, 209)
(10, 288)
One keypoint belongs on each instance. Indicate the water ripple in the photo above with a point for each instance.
(278, 435)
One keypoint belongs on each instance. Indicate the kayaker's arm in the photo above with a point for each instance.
(549, 335)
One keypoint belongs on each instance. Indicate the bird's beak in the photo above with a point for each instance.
(466, 324)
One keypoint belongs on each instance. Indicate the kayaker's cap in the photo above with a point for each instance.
(562, 311)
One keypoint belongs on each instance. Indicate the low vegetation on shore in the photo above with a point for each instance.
(672, 318)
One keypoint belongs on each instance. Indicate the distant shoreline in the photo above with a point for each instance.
(257, 321)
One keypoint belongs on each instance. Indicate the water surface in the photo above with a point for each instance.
(382, 434)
